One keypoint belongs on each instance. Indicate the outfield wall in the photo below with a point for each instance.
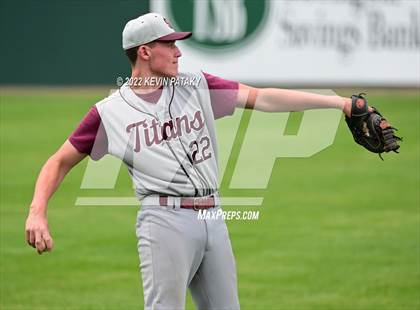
(322, 43)
(303, 42)
(64, 42)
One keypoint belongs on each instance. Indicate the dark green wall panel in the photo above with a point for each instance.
(64, 42)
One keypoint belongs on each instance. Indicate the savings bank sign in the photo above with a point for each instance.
(301, 42)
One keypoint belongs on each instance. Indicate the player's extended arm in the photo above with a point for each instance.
(368, 127)
(285, 100)
(50, 177)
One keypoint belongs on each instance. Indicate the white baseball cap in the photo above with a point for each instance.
(147, 28)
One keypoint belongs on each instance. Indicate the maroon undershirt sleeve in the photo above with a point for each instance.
(223, 95)
(90, 136)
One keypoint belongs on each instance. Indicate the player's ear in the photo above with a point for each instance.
(143, 52)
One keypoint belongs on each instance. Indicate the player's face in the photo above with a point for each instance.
(164, 60)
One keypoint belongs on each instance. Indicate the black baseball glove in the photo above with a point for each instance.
(370, 129)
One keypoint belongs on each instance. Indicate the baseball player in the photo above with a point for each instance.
(165, 135)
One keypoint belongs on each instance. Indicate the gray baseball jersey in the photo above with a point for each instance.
(169, 147)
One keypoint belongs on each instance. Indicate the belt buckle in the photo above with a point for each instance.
(194, 204)
(197, 201)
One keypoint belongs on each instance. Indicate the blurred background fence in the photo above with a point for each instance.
(290, 43)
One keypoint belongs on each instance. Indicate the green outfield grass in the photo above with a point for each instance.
(338, 230)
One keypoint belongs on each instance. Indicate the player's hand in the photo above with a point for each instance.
(370, 129)
(37, 232)
(347, 107)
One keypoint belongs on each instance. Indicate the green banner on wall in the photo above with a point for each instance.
(64, 42)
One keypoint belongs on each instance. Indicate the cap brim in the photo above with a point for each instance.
(175, 36)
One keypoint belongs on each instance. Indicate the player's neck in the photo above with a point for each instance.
(144, 81)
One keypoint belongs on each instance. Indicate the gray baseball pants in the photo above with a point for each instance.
(178, 251)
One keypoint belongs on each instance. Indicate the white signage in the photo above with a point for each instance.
(300, 42)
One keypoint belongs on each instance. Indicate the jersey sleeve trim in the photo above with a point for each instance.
(90, 136)
(223, 95)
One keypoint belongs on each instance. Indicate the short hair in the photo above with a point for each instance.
(131, 53)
